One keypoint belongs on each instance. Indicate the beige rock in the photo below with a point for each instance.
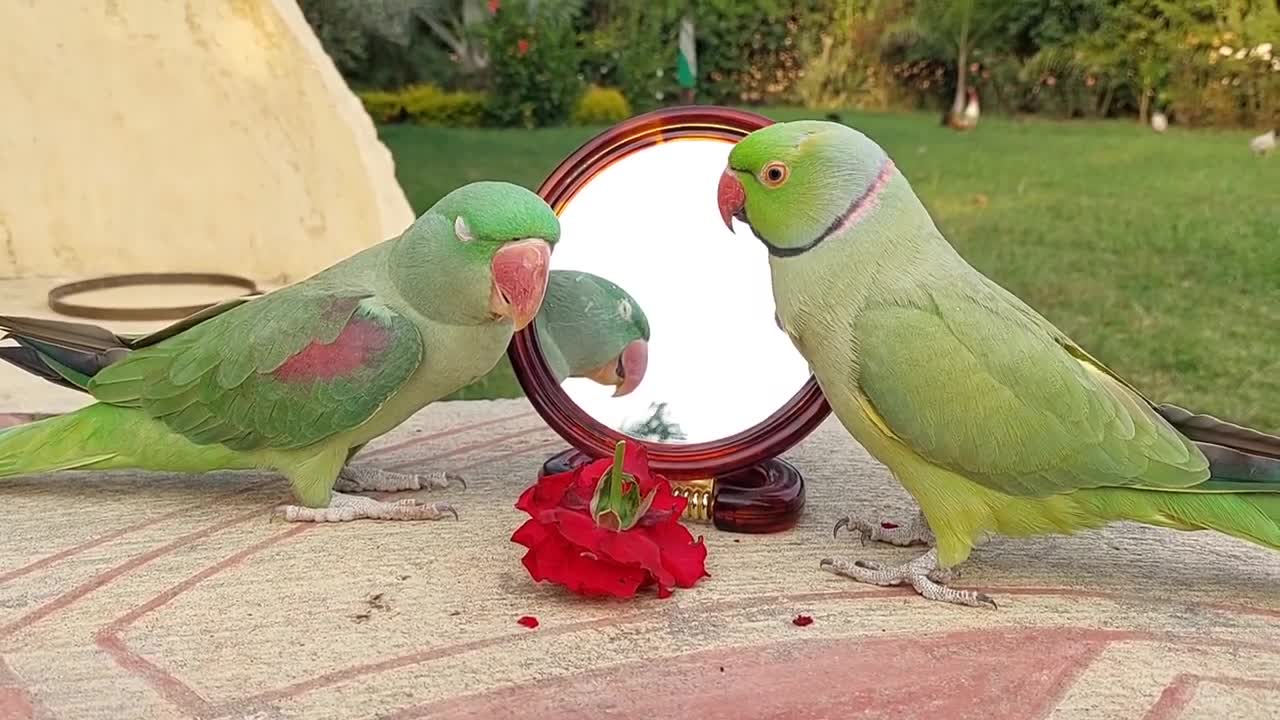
(166, 136)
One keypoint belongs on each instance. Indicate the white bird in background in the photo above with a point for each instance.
(971, 109)
(1264, 143)
(966, 119)
(1159, 122)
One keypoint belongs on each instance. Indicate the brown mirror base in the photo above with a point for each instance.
(767, 497)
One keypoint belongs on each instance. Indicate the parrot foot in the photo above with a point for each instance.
(915, 532)
(344, 508)
(923, 574)
(364, 478)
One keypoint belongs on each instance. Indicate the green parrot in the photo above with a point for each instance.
(299, 379)
(588, 327)
(989, 416)
(615, 329)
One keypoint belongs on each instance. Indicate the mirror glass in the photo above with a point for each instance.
(715, 362)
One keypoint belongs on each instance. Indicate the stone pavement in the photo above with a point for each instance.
(151, 596)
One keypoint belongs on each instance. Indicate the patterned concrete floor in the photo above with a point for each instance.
(153, 596)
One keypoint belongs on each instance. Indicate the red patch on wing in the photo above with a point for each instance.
(358, 343)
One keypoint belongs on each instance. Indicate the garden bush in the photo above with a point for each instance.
(601, 106)
(533, 63)
(427, 105)
(383, 106)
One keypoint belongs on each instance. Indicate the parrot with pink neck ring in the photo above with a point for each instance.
(299, 379)
(992, 418)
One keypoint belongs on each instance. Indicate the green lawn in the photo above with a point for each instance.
(1159, 254)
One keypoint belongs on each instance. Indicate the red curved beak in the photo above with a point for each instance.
(731, 196)
(520, 272)
(634, 361)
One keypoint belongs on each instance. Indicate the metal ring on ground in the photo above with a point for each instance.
(58, 304)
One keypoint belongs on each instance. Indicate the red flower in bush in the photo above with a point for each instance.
(609, 528)
(522, 47)
(493, 7)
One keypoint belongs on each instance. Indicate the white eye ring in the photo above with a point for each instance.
(462, 231)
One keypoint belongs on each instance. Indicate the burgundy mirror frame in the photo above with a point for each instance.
(760, 509)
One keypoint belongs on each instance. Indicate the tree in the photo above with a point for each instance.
(956, 28)
(656, 427)
(843, 66)
(457, 26)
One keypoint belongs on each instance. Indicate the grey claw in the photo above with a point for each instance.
(841, 523)
(826, 563)
(451, 510)
(452, 478)
(982, 598)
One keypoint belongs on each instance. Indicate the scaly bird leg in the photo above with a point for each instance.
(365, 478)
(919, 573)
(914, 532)
(344, 508)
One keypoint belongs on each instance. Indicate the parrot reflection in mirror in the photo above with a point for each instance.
(588, 328)
(716, 363)
(298, 380)
(991, 418)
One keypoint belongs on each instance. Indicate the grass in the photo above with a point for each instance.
(1160, 254)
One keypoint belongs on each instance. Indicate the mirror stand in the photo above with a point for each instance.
(765, 497)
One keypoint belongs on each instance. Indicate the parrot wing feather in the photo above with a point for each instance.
(186, 323)
(982, 393)
(284, 371)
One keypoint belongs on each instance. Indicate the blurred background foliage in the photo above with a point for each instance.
(526, 63)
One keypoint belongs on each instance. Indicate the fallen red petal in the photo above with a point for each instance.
(801, 620)
(528, 621)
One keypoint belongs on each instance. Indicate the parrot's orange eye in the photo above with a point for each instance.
(774, 174)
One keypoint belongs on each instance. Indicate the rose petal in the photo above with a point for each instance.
(583, 488)
(559, 561)
(635, 460)
(801, 620)
(546, 493)
(667, 506)
(529, 534)
(682, 556)
(528, 621)
(634, 547)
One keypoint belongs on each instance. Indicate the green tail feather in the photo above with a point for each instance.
(107, 437)
(1251, 516)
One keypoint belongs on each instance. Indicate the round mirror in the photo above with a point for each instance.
(658, 324)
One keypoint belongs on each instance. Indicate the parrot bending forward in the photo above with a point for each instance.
(299, 379)
(588, 327)
(589, 318)
(989, 416)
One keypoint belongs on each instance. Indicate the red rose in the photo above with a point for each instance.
(602, 530)
(493, 7)
(522, 47)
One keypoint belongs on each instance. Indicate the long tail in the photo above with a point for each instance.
(107, 437)
(64, 353)
(70, 353)
(1241, 498)
(1254, 517)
